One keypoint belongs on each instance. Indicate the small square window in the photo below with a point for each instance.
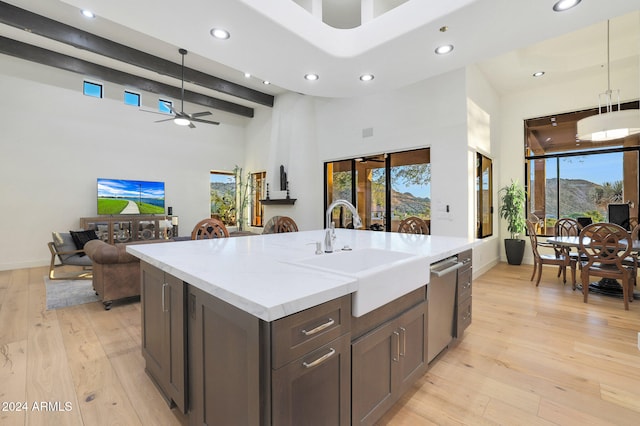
(92, 89)
(164, 106)
(131, 98)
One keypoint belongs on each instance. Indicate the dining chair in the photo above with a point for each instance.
(413, 225)
(606, 246)
(567, 227)
(285, 224)
(560, 258)
(209, 228)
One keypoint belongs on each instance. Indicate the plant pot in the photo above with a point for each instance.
(515, 250)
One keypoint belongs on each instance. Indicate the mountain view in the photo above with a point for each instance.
(579, 196)
(406, 204)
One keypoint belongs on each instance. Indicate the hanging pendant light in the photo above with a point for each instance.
(611, 124)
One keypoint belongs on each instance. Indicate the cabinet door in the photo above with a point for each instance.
(224, 363)
(315, 389)
(163, 331)
(373, 373)
(412, 327)
(176, 331)
(155, 345)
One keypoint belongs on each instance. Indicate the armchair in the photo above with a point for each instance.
(64, 249)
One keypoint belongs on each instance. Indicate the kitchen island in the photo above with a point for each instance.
(274, 334)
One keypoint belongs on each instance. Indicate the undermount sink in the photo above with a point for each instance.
(382, 275)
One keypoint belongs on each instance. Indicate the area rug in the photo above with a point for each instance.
(63, 293)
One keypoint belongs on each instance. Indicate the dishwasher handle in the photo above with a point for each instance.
(442, 272)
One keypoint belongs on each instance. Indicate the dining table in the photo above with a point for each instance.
(606, 286)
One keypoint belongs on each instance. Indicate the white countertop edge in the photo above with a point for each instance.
(346, 285)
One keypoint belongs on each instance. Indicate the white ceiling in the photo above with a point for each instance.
(280, 41)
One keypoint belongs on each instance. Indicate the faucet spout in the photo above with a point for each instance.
(357, 222)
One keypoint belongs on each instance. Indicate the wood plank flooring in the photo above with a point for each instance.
(531, 356)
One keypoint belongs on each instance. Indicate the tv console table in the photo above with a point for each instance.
(126, 228)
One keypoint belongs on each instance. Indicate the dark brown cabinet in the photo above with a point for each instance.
(463, 295)
(245, 371)
(163, 333)
(315, 389)
(224, 363)
(385, 362)
(311, 366)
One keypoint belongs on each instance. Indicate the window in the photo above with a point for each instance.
(257, 210)
(484, 196)
(165, 106)
(569, 178)
(131, 98)
(389, 188)
(92, 89)
(223, 197)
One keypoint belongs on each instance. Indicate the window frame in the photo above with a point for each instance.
(94, 85)
(130, 93)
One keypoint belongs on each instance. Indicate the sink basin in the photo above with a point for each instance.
(382, 275)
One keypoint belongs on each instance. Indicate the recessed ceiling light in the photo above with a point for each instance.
(219, 33)
(247, 75)
(87, 13)
(311, 77)
(266, 82)
(563, 5)
(366, 77)
(443, 50)
(538, 73)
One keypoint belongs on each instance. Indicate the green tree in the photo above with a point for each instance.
(607, 193)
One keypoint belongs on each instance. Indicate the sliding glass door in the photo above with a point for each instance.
(386, 188)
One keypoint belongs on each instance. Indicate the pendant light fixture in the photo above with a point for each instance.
(610, 124)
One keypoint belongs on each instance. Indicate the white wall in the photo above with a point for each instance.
(55, 142)
(431, 114)
(484, 121)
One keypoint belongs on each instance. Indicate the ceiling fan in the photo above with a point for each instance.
(182, 118)
(375, 158)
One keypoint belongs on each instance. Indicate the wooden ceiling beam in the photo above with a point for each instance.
(49, 28)
(47, 57)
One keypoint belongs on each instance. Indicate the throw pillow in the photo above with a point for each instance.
(80, 238)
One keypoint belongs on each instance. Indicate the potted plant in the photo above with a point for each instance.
(512, 198)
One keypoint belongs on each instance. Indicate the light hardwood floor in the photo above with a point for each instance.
(531, 356)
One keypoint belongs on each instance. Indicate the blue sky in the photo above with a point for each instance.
(594, 168)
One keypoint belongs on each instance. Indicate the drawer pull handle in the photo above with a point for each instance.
(403, 332)
(320, 360)
(164, 286)
(319, 328)
(396, 356)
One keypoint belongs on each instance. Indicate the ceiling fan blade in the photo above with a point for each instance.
(199, 120)
(153, 112)
(166, 119)
(191, 125)
(200, 114)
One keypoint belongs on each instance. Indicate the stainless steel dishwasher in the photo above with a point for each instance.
(441, 296)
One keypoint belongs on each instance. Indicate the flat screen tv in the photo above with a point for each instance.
(120, 196)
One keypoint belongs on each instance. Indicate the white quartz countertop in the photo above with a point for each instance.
(258, 273)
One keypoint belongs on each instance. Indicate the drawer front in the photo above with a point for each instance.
(301, 333)
(464, 316)
(464, 283)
